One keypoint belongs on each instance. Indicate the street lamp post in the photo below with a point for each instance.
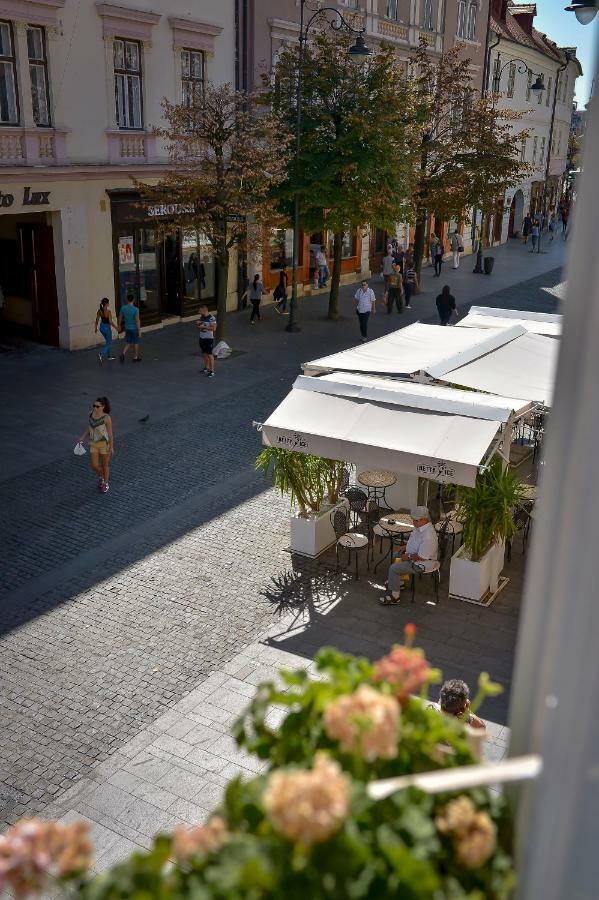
(584, 10)
(357, 53)
(537, 87)
(548, 161)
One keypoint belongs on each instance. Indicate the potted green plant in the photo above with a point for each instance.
(486, 512)
(313, 484)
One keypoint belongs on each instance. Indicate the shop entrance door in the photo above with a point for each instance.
(172, 293)
(36, 251)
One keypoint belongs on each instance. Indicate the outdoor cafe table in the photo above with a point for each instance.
(396, 523)
(377, 481)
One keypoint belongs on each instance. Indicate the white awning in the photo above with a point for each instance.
(491, 317)
(414, 349)
(430, 397)
(522, 368)
(441, 446)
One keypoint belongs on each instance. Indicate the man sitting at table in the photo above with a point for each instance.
(416, 556)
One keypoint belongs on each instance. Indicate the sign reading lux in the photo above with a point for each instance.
(30, 198)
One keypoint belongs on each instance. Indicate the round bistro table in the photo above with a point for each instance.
(395, 524)
(377, 481)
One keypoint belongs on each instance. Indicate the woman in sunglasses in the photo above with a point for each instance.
(101, 441)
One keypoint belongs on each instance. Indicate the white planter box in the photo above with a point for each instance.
(310, 537)
(472, 580)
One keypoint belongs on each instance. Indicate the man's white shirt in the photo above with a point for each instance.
(425, 543)
(364, 300)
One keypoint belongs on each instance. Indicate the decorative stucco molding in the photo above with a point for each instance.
(124, 21)
(194, 35)
(34, 12)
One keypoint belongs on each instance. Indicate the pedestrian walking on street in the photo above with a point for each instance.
(129, 320)
(388, 263)
(101, 441)
(395, 294)
(105, 325)
(398, 257)
(280, 293)
(365, 304)
(323, 268)
(439, 254)
(207, 326)
(256, 291)
(410, 280)
(534, 234)
(564, 220)
(457, 247)
(454, 700)
(432, 246)
(526, 227)
(446, 305)
(552, 226)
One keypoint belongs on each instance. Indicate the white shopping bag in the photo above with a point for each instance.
(79, 449)
(222, 350)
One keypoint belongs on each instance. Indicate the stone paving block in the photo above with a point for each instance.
(184, 783)
(142, 789)
(148, 766)
(189, 812)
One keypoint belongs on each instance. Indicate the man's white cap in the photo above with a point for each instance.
(420, 512)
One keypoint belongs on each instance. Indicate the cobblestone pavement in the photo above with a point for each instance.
(116, 607)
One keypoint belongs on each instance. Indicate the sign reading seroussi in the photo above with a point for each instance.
(164, 210)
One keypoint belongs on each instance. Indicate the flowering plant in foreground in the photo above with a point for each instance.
(307, 827)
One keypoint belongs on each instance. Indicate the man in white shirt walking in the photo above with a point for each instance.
(457, 247)
(365, 304)
(418, 555)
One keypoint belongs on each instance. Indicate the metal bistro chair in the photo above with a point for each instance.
(435, 571)
(370, 520)
(522, 522)
(351, 541)
(358, 501)
(452, 528)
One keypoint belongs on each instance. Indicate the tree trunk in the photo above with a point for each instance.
(419, 238)
(222, 280)
(335, 277)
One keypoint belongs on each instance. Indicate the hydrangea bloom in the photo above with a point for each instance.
(308, 806)
(188, 842)
(365, 722)
(406, 669)
(473, 833)
(34, 850)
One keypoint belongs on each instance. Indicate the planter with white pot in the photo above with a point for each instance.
(477, 581)
(311, 535)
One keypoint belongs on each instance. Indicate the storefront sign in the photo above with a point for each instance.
(30, 198)
(126, 250)
(297, 442)
(169, 209)
(438, 471)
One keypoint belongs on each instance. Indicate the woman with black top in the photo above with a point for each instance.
(280, 293)
(446, 305)
(105, 325)
(438, 258)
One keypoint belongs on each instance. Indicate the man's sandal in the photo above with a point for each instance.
(389, 600)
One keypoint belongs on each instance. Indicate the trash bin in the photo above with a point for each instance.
(489, 263)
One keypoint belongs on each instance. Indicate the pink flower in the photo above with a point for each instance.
(473, 833)
(189, 842)
(308, 806)
(365, 722)
(33, 851)
(405, 669)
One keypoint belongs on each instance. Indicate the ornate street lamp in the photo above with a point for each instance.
(357, 53)
(584, 10)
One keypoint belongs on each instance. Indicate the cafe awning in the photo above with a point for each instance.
(549, 324)
(430, 443)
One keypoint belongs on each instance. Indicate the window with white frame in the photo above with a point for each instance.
(523, 150)
(471, 24)
(542, 152)
(38, 75)
(9, 108)
(549, 84)
(461, 26)
(127, 83)
(192, 76)
(393, 9)
(427, 14)
(496, 74)
(534, 150)
(511, 80)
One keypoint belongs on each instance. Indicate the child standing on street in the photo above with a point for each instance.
(129, 320)
(101, 441)
(207, 326)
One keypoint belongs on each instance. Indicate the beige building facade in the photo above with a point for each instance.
(80, 95)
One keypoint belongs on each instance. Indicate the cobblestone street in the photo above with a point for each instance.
(116, 608)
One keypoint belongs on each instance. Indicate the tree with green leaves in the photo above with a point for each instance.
(470, 150)
(358, 139)
(224, 160)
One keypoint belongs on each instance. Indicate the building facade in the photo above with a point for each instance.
(80, 97)
(519, 54)
(265, 26)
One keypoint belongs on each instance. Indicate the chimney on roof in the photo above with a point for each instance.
(524, 15)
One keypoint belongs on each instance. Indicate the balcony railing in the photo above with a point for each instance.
(393, 30)
(130, 147)
(32, 147)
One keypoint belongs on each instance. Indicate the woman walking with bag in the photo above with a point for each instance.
(255, 291)
(439, 253)
(105, 324)
(280, 293)
(101, 441)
